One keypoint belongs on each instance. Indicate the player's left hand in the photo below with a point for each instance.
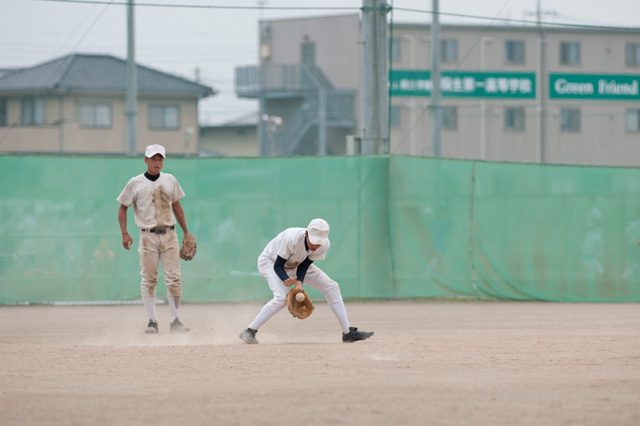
(189, 246)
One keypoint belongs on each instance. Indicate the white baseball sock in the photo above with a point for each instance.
(340, 312)
(150, 305)
(263, 316)
(174, 305)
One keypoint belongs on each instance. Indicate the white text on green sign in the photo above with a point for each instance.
(464, 84)
(594, 86)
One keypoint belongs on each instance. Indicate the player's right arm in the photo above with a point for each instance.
(278, 266)
(122, 219)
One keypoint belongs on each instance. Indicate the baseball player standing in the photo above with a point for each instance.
(287, 260)
(153, 196)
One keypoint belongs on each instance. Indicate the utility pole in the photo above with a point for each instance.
(132, 83)
(436, 94)
(413, 106)
(262, 127)
(543, 86)
(374, 99)
(484, 41)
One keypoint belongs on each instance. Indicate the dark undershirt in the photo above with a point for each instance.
(278, 266)
(152, 178)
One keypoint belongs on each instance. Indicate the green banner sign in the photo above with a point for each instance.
(464, 84)
(594, 86)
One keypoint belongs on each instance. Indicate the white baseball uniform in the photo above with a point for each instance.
(152, 208)
(290, 245)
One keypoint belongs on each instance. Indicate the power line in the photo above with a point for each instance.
(421, 11)
(73, 32)
(519, 21)
(479, 38)
(200, 6)
(90, 27)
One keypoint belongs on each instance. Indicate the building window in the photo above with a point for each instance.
(396, 45)
(514, 119)
(570, 120)
(514, 51)
(633, 54)
(3, 112)
(449, 50)
(570, 53)
(394, 116)
(95, 115)
(449, 118)
(633, 120)
(32, 111)
(308, 53)
(164, 117)
(265, 31)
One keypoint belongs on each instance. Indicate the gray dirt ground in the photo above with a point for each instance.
(429, 363)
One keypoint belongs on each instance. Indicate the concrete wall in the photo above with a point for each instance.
(338, 52)
(232, 141)
(602, 140)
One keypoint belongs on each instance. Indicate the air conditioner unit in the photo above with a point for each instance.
(354, 145)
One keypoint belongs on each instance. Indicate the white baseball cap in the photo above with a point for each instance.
(153, 150)
(318, 230)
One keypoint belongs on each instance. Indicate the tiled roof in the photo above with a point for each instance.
(100, 73)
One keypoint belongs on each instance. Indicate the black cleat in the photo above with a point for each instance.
(178, 327)
(249, 336)
(354, 335)
(152, 327)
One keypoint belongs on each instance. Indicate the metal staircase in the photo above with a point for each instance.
(309, 106)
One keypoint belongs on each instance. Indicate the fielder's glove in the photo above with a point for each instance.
(189, 246)
(298, 309)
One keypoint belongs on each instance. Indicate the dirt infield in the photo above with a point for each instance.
(429, 363)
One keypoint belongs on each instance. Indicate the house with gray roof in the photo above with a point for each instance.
(76, 104)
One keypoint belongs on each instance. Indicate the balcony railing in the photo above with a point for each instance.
(251, 80)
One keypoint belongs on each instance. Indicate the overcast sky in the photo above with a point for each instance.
(220, 36)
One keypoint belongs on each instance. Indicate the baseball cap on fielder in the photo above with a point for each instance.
(318, 230)
(153, 150)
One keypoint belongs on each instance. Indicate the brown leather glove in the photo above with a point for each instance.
(189, 247)
(299, 309)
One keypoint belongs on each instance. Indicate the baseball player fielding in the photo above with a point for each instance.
(288, 260)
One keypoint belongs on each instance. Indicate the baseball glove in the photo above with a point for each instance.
(302, 309)
(189, 246)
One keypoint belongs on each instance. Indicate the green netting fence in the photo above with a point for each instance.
(402, 227)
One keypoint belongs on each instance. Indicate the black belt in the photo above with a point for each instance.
(159, 230)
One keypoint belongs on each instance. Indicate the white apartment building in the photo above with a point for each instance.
(567, 95)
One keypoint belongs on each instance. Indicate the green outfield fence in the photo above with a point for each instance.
(401, 227)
